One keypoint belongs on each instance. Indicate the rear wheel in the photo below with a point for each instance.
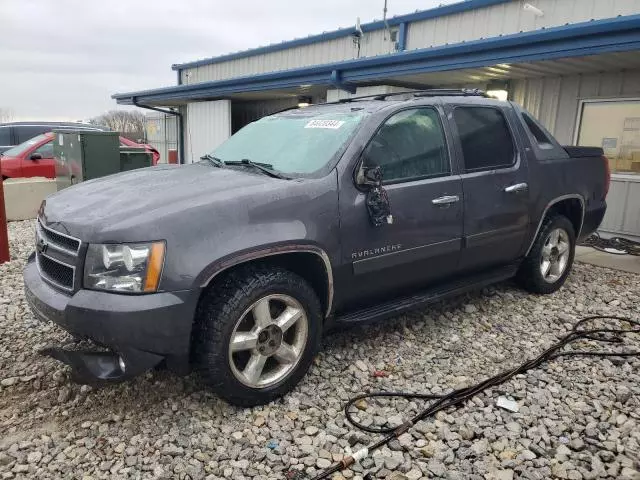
(256, 334)
(549, 262)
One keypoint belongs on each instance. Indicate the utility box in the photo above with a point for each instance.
(84, 155)
(134, 157)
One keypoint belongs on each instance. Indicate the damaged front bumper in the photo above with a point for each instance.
(92, 367)
(139, 331)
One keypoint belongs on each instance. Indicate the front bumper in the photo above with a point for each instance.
(139, 330)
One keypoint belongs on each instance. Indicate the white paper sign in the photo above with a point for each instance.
(331, 124)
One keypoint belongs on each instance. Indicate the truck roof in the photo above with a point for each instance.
(372, 103)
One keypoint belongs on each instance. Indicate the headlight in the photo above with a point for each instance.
(132, 267)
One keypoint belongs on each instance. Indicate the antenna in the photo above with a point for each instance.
(358, 32)
(384, 19)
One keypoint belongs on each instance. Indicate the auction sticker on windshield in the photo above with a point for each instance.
(332, 124)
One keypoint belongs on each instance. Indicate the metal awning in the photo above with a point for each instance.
(577, 48)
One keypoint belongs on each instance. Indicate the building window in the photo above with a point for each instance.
(409, 145)
(485, 138)
(614, 126)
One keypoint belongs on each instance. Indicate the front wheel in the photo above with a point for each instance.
(256, 334)
(548, 264)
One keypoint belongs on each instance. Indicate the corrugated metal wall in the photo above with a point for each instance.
(243, 113)
(555, 100)
(623, 207)
(208, 125)
(510, 18)
(372, 43)
(161, 133)
(485, 22)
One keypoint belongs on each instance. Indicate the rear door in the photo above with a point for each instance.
(495, 185)
(422, 244)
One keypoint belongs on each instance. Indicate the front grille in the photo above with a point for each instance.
(59, 274)
(56, 257)
(58, 240)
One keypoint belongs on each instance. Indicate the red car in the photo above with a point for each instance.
(34, 158)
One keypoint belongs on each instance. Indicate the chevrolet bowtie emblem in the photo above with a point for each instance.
(42, 245)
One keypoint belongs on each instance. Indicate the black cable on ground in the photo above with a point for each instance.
(613, 245)
(579, 332)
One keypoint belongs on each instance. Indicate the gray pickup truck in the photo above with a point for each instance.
(306, 220)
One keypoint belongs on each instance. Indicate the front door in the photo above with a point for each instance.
(494, 181)
(422, 242)
(42, 167)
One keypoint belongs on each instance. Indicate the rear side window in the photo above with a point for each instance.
(5, 137)
(542, 139)
(485, 138)
(26, 132)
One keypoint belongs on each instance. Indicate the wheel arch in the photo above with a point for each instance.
(310, 262)
(571, 206)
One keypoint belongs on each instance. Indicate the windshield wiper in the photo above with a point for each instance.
(263, 167)
(215, 161)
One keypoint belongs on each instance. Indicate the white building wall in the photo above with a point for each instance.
(511, 17)
(208, 124)
(372, 43)
(555, 100)
(503, 19)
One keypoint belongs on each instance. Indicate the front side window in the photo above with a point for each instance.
(299, 143)
(485, 138)
(409, 145)
(45, 150)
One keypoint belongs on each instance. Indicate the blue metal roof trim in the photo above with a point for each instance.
(599, 36)
(441, 11)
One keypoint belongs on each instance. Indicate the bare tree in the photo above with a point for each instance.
(129, 123)
(6, 115)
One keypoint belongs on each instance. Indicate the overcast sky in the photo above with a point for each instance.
(63, 59)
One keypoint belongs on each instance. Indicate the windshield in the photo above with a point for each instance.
(300, 144)
(24, 146)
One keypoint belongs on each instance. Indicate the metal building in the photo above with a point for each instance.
(575, 64)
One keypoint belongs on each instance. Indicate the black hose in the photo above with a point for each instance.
(613, 245)
(579, 332)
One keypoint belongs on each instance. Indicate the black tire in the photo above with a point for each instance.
(219, 311)
(529, 275)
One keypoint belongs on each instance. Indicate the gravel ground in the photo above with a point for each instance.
(577, 418)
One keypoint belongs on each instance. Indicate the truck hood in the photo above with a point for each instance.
(141, 199)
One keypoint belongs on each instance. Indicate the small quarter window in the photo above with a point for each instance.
(485, 138)
(538, 133)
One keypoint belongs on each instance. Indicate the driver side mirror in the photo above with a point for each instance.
(370, 176)
(35, 156)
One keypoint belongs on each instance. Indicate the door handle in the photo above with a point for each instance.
(446, 200)
(518, 187)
